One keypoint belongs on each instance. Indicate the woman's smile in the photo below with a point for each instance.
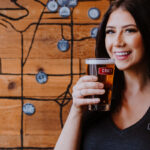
(122, 55)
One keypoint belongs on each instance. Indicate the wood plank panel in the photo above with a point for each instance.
(44, 37)
(82, 32)
(55, 86)
(45, 45)
(45, 42)
(54, 18)
(10, 112)
(32, 7)
(44, 124)
(10, 85)
(10, 123)
(12, 66)
(83, 6)
(83, 50)
(10, 47)
(40, 141)
(9, 141)
(29, 9)
(51, 66)
(84, 44)
(80, 13)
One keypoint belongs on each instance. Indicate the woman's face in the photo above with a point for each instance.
(123, 40)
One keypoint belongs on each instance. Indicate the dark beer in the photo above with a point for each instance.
(104, 70)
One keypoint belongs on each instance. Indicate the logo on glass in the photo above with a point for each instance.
(105, 71)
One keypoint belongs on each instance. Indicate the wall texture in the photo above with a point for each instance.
(29, 34)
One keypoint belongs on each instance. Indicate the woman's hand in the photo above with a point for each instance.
(86, 85)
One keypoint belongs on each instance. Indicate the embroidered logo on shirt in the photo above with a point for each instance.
(148, 126)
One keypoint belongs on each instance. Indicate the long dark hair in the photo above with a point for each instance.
(140, 10)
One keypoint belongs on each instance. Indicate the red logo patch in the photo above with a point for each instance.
(105, 71)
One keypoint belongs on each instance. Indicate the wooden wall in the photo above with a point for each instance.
(28, 44)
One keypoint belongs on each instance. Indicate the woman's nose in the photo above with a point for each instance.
(119, 40)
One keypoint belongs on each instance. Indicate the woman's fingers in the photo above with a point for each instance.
(89, 85)
(82, 102)
(87, 78)
(86, 92)
(88, 82)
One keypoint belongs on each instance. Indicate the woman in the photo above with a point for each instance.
(123, 36)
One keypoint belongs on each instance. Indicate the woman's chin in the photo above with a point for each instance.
(121, 67)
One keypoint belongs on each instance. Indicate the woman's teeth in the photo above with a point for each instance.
(122, 53)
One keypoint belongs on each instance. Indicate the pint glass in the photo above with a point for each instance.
(103, 68)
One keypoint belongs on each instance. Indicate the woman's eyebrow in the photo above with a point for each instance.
(125, 26)
(129, 25)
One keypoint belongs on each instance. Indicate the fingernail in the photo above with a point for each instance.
(103, 91)
(94, 78)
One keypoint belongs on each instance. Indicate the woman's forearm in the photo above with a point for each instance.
(70, 136)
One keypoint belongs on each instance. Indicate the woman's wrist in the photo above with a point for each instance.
(76, 111)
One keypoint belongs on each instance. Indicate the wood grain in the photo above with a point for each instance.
(10, 112)
(80, 14)
(10, 85)
(9, 141)
(11, 66)
(51, 66)
(28, 44)
(44, 124)
(51, 88)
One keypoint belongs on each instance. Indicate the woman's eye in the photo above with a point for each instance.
(131, 30)
(110, 31)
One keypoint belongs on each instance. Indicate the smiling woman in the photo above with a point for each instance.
(124, 36)
(124, 40)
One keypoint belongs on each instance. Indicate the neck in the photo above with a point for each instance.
(136, 80)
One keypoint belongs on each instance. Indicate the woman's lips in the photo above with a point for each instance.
(122, 55)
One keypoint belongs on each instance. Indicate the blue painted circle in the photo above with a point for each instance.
(52, 6)
(64, 12)
(41, 77)
(94, 13)
(94, 32)
(73, 3)
(63, 2)
(28, 109)
(63, 45)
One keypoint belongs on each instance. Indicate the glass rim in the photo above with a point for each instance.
(99, 61)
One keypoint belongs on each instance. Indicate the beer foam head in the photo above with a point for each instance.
(100, 61)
